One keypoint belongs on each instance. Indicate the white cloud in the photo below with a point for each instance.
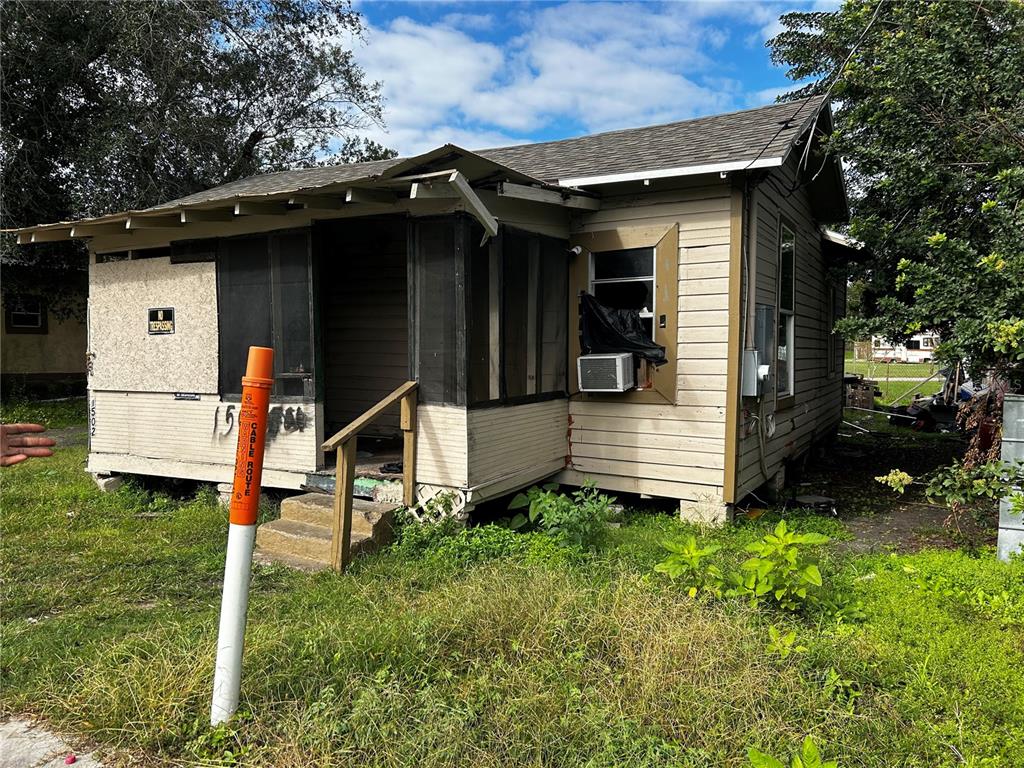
(576, 66)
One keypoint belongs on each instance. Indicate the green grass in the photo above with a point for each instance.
(53, 414)
(903, 392)
(488, 654)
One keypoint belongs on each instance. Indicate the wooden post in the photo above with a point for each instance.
(409, 449)
(344, 477)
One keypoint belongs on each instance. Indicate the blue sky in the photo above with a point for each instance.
(483, 74)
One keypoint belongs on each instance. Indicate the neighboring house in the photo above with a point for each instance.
(460, 271)
(919, 348)
(40, 352)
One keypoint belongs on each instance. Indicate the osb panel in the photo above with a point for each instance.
(125, 356)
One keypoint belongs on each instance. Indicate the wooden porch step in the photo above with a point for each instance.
(301, 537)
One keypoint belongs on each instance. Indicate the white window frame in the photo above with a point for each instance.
(787, 317)
(653, 278)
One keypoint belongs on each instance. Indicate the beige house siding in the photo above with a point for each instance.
(672, 450)
(817, 396)
(188, 438)
(525, 442)
(441, 439)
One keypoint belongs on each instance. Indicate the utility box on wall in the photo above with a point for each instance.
(1011, 524)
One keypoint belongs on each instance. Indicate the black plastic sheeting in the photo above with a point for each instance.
(607, 330)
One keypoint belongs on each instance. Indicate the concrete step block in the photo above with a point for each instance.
(370, 518)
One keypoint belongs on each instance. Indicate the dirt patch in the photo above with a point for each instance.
(880, 519)
(69, 436)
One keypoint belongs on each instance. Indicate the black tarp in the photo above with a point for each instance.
(607, 330)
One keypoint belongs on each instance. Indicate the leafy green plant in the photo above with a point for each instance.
(685, 564)
(841, 689)
(783, 644)
(897, 479)
(962, 486)
(972, 491)
(576, 519)
(808, 757)
(779, 571)
(221, 744)
(448, 544)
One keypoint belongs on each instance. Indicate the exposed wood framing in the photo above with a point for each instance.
(44, 236)
(454, 184)
(549, 196)
(207, 214)
(432, 190)
(249, 208)
(363, 195)
(92, 230)
(317, 202)
(160, 221)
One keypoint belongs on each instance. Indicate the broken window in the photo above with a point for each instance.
(624, 279)
(263, 294)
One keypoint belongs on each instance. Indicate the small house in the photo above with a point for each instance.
(42, 352)
(458, 275)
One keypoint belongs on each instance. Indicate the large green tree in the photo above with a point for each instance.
(929, 119)
(118, 105)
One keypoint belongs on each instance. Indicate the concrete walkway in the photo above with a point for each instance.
(25, 744)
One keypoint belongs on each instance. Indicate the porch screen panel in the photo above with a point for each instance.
(516, 323)
(263, 296)
(244, 298)
(481, 283)
(554, 286)
(292, 311)
(439, 355)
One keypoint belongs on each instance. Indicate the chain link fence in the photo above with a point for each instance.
(897, 382)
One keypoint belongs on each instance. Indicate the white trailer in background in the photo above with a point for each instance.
(919, 348)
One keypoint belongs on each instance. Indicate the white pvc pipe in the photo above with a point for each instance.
(227, 678)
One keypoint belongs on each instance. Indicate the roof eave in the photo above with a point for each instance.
(668, 173)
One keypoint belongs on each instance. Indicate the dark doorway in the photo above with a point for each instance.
(363, 316)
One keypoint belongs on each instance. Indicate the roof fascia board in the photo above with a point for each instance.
(666, 173)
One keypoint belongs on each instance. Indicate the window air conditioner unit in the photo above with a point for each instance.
(606, 373)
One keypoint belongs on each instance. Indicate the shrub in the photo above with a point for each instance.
(686, 565)
(576, 520)
(779, 570)
(448, 544)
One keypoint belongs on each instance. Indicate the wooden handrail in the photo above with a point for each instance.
(344, 443)
(367, 418)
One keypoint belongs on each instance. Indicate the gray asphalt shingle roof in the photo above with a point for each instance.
(764, 132)
(732, 137)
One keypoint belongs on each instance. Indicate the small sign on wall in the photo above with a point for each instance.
(161, 321)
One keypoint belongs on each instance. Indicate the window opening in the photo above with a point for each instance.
(624, 279)
(785, 352)
(26, 314)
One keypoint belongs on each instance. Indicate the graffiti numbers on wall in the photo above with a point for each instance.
(285, 420)
(223, 429)
(280, 420)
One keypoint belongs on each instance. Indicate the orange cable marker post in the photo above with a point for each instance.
(245, 501)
